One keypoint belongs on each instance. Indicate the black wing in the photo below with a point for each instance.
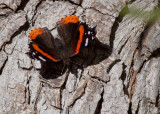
(75, 34)
(42, 45)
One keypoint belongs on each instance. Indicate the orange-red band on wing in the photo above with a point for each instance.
(34, 33)
(69, 19)
(81, 33)
(43, 53)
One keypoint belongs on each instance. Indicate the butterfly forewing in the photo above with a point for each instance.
(82, 38)
(42, 45)
(75, 34)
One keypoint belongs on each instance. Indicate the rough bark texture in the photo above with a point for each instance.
(125, 82)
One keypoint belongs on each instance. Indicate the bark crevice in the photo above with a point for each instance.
(3, 66)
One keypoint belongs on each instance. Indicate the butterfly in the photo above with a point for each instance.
(74, 35)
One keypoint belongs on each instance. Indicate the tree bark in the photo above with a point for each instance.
(124, 81)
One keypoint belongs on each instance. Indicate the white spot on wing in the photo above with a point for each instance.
(41, 58)
(86, 43)
(89, 32)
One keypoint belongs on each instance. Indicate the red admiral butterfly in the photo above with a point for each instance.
(73, 36)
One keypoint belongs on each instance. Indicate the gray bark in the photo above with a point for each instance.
(126, 82)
